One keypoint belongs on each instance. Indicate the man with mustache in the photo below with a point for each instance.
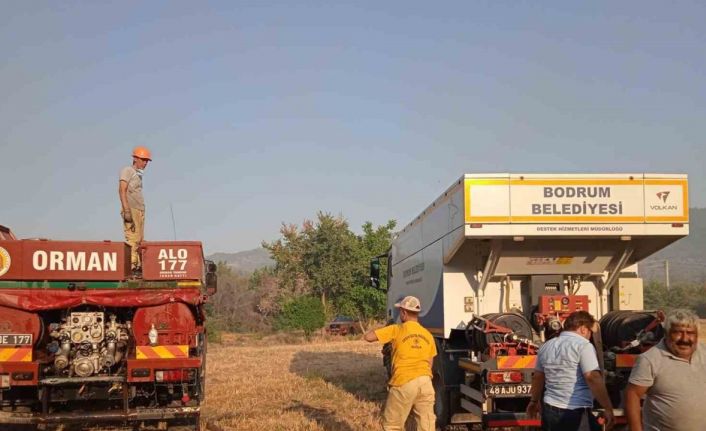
(672, 377)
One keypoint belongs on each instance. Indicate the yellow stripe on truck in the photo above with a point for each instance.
(15, 354)
(162, 352)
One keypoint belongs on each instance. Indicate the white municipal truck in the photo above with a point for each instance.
(500, 260)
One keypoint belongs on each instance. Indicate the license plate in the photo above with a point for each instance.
(15, 339)
(500, 391)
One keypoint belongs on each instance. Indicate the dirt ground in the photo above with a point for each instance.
(326, 385)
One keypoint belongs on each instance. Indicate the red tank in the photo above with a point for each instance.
(175, 324)
(13, 321)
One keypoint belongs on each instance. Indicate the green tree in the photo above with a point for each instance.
(326, 259)
(331, 257)
(364, 303)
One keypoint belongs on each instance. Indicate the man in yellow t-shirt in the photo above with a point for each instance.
(410, 387)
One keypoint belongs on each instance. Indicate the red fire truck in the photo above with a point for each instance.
(84, 342)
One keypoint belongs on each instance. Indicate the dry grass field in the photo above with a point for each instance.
(262, 384)
(268, 383)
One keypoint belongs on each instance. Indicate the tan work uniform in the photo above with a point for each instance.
(410, 384)
(135, 231)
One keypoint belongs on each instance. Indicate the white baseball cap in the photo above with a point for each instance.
(410, 303)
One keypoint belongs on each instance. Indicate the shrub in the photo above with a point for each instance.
(213, 331)
(304, 312)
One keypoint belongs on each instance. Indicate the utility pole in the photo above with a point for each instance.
(171, 208)
(666, 273)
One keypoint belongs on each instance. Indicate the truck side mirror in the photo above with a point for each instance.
(211, 267)
(375, 273)
(211, 278)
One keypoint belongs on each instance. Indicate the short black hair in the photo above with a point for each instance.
(578, 319)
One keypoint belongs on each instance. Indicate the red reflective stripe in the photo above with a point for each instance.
(625, 360)
(529, 362)
(21, 355)
(526, 361)
(148, 352)
(162, 352)
(512, 361)
(514, 422)
(16, 354)
(176, 351)
(507, 361)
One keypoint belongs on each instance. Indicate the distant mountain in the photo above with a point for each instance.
(244, 261)
(687, 257)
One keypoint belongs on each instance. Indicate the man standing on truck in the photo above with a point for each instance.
(567, 367)
(410, 386)
(133, 203)
(671, 376)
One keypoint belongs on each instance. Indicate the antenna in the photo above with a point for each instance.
(171, 208)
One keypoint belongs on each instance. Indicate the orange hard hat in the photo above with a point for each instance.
(142, 152)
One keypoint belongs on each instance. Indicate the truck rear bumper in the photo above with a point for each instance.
(510, 420)
(166, 413)
(498, 419)
(493, 420)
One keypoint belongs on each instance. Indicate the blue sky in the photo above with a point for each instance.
(259, 113)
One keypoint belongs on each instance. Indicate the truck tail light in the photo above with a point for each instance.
(174, 375)
(504, 377)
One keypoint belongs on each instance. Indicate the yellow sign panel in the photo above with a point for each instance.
(576, 200)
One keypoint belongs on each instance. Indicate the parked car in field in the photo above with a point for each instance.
(343, 325)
